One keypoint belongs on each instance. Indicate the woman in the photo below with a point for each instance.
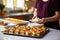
(48, 11)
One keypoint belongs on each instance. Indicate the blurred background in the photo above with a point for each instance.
(20, 9)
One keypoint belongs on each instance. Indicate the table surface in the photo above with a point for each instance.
(16, 14)
(52, 35)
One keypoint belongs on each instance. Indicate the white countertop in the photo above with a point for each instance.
(52, 35)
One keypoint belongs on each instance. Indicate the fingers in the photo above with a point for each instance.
(41, 21)
(34, 17)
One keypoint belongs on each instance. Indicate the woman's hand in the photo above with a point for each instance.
(34, 14)
(41, 21)
(34, 17)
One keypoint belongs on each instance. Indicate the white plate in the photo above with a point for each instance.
(35, 20)
(35, 24)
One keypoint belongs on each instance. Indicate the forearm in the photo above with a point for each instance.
(53, 18)
(50, 19)
(35, 12)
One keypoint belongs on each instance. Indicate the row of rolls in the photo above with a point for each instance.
(26, 30)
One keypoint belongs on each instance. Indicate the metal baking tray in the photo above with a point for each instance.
(41, 36)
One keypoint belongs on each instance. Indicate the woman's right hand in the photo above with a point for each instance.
(34, 14)
(34, 17)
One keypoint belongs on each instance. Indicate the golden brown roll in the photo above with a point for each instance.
(28, 33)
(17, 31)
(6, 30)
(34, 29)
(11, 31)
(44, 29)
(22, 32)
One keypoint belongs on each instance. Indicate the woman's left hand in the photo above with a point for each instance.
(41, 21)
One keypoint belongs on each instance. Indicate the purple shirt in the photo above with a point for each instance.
(47, 9)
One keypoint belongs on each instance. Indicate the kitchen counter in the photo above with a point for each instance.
(52, 35)
(23, 16)
(16, 14)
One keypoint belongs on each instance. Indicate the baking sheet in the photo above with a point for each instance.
(41, 36)
(7, 21)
